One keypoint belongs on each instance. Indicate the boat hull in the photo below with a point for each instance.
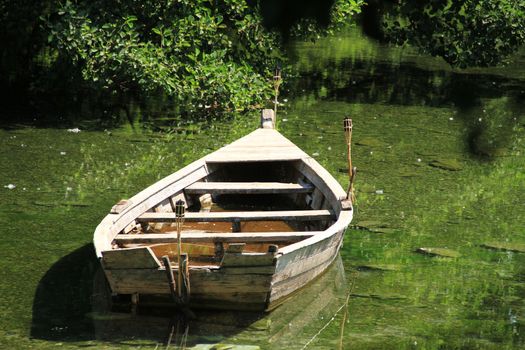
(249, 288)
(237, 270)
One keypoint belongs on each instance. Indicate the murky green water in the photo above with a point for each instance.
(440, 155)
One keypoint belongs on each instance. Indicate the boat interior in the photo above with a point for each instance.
(239, 207)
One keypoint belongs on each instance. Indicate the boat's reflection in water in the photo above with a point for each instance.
(290, 326)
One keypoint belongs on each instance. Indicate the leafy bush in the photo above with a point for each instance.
(463, 32)
(203, 56)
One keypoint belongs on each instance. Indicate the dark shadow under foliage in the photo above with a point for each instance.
(488, 128)
(282, 15)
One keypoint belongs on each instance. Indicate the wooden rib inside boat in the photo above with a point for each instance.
(262, 219)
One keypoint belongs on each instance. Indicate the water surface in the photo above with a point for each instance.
(440, 160)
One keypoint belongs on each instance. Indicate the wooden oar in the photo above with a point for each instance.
(347, 124)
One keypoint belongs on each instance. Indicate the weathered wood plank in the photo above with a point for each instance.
(145, 200)
(120, 206)
(260, 145)
(300, 215)
(248, 155)
(162, 207)
(237, 298)
(235, 248)
(154, 281)
(248, 259)
(300, 266)
(167, 187)
(308, 247)
(323, 181)
(171, 248)
(260, 137)
(253, 270)
(317, 199)
(286, 286)
(130, 258)
(247, 188)
(338, 228)
(196, 237)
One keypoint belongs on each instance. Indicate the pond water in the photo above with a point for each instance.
(440, 157)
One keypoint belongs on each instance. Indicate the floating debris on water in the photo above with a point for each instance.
(261, 325)
(380, 192)
(74, 130)
(373, 226)
(62, 153)
(446, 164)
(379, 296)
(10, 186)
(441, 252)
(378, 267)
(505, 246)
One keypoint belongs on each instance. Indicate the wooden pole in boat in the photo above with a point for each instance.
(179, 213)
(276, 83)
(171, 279)
(350, 194)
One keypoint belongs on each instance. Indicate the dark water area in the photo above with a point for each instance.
(434, 258)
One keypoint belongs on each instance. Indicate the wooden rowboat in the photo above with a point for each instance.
(262, 219)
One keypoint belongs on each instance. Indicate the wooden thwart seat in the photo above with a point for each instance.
(247, 188)
(291, 215)
(197, 237)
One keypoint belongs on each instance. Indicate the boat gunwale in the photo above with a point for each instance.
(113, 224)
